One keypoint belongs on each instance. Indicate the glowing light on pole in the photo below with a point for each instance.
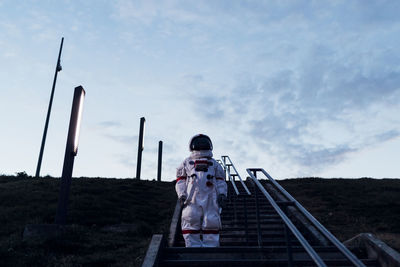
(71, 151)
(78, 124)
(140, 147)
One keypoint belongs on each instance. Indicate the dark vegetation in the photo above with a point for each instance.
(345, 206)
(94, 204)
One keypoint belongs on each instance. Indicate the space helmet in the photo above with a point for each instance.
(200, 142)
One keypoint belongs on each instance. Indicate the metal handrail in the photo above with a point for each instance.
(311, 252)
(347, 253)
(233, 182)
(224, 158)
(243, 196)
(227, 170)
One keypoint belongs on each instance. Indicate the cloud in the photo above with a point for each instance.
(112, 130)
(210, 107)
(386, 136)
(125, 160)
(193, 78)
(293, 83)
(316, 112)
(304, 84)
(147, 12)
(124, 139)
(110, 124)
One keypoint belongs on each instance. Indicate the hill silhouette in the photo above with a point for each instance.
(112, 220)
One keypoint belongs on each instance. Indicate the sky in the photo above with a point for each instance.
(299, 88)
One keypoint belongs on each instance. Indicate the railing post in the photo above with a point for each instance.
(246, 227)
(288, 243)
(259, 235)
(160, 145)
(235, 198)
(224, 163)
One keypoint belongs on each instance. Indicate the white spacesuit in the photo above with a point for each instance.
(202, 190)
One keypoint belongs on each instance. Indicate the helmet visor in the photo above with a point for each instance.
(201, 143)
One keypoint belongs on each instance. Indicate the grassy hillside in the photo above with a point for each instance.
(347, 207)
(96, 203)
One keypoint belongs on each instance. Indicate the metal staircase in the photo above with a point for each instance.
(262, 225)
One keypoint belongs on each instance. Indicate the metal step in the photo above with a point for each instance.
(256, 263)
(235, 242)
(251, 215)
(251, 232)
(266, 252)
(253, 227)
(242, 256)
(252, 221)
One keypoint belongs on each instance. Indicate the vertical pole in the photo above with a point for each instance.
(140, 148)
(246, 226)
(259, 234)
(234, 196)
(160, 145)
(288, 243)
(46, 125)
(225, 169)
(71, 150)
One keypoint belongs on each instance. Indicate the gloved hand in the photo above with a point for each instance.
(222, 201)
(182, 200)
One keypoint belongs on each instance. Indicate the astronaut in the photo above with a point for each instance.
(202, 191)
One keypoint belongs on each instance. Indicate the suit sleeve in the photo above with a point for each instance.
(181, 178)
(220, 177)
